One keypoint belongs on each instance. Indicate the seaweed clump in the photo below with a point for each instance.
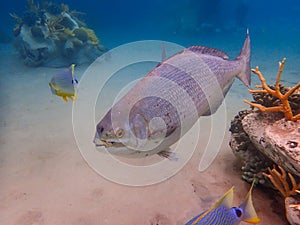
(51, 34)
(81, 34)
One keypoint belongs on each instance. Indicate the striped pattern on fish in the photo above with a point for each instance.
(220, 215)
(189, 84)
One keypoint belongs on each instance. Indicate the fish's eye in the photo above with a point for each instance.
(100, 130)
(238, 212)
(120, 133)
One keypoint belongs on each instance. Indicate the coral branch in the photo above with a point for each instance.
(281, 66)
(16, 17)
(285, 105)
(279, 180)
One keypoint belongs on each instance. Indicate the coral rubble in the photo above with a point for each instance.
(53, 35)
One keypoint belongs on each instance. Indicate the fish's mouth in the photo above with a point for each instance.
(101, 143)
(105, 143)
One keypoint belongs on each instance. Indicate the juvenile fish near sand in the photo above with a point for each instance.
(168, 101)
(64, 84)
(223, 213)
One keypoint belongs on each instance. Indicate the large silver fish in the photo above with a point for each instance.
(166, 103)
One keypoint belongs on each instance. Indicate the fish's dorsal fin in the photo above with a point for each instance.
(208, 51)
(226, 200)
(163, 52)
(72, 68)
(249, 215)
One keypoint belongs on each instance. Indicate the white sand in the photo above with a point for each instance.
(44, 179)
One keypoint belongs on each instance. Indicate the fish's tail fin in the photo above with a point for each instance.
(245, 75)
(250, 215)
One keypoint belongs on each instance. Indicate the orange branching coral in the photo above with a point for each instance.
(279, 180)
(285, 106)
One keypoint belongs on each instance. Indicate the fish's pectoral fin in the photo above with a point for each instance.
(250, 215)
(168, 154)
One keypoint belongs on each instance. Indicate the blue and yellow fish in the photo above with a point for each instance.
(223, 213)
(64, 84)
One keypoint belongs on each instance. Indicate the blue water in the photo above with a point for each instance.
(37, 140)
(119, 21)
(274, 26)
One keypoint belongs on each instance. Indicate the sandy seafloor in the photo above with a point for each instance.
(45, 180)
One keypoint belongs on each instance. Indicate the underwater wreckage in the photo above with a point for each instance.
(53, 35)
(270, 137)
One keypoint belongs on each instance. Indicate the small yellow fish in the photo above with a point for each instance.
(64, 84)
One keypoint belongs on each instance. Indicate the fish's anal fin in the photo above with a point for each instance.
(250, 215)
(208, 51)
(168, 154)
(64, 98)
